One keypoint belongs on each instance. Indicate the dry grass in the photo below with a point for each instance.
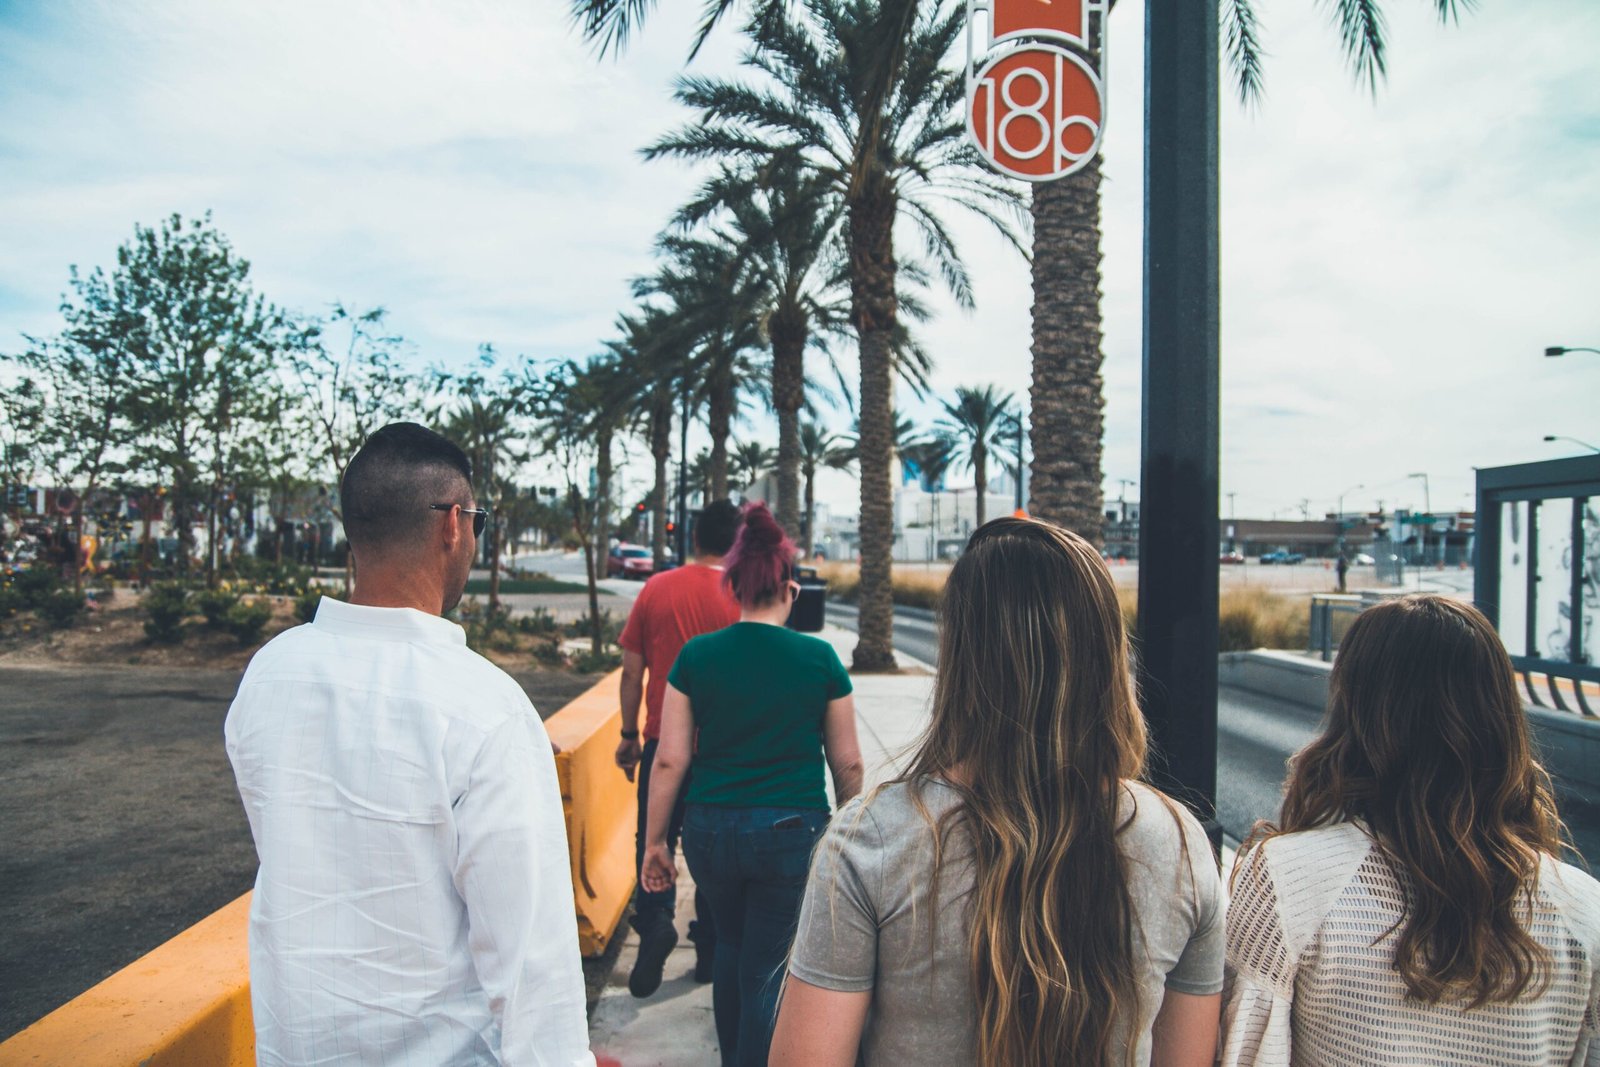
(1246, 618)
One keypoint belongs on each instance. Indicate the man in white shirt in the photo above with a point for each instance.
(414, 900)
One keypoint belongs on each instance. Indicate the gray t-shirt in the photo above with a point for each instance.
(865, 924)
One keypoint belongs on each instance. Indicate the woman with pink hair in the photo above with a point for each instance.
(760, 708)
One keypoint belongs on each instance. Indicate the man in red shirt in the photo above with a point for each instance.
(673, 607)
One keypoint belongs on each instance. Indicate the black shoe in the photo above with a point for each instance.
(656, 942)
(705, 952)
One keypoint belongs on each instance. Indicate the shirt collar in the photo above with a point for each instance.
(392, 624)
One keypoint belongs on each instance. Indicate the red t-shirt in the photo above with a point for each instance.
(672, 607)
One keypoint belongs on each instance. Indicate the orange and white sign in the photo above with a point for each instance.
(1035, 104)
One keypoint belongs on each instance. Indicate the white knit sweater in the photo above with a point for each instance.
(1311, 980)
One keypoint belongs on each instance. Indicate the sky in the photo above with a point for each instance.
(1393, 265)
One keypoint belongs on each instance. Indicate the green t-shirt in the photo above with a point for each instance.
(759, 694)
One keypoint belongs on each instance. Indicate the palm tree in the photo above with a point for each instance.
(785, 229)
(882, 154)
(750, 460)
(1067, 393)
(713, 309)
(977, 418)
(654, 353)
(819, 449)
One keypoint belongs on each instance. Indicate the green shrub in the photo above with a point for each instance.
(549, 654)
(247, 618)
(538, 621)
(589, 662)
(35, 584)
(215, 604)
(61, 608)
(167, 604)
(610, 629)
(10, 601)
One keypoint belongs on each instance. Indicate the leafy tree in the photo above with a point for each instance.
(481, 412)
(347, 376)
(22, 416)
(200, 348)
(976, 418)
(819, 449)
(852, 93)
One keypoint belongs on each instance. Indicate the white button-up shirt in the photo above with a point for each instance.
(414, 901)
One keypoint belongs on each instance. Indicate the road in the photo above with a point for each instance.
(1255, 737)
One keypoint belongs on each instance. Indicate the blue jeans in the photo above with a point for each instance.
(751, 864)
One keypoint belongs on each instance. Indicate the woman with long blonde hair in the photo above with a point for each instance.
(1016, 898)
(1410, 906)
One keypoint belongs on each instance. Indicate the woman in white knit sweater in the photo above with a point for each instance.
(1410, 907)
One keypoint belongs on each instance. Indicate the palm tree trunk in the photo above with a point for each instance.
(980, 481)
(873, 311)
(661, 449)
(603, 472)
(788, 329)
(811, 514)
(719, 421)
(496, 539)
(1068, 394)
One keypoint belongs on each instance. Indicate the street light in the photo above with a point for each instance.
(1574, 440)
(1561, 350)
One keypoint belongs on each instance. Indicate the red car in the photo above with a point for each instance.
(630, 561)
(1231, 557)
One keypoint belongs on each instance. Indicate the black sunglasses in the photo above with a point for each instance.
(480, 517)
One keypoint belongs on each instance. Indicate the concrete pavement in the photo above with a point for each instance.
(674, 1028)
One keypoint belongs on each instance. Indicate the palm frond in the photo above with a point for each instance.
(1242, 37)
(608, 24)
(1361, 28)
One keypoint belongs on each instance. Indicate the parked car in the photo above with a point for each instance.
(1362, 559)
(629, 561)
(1231, 557)
(1282, 555)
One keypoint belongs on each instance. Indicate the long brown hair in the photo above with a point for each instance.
(1035, 723)
(1426, 743)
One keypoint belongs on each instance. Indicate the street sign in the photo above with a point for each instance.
(1035, 102)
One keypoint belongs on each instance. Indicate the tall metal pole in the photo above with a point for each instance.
(1178, 528)
(683, 479)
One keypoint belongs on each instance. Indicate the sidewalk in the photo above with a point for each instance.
(674, 1028)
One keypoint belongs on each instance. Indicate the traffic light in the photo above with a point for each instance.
(640, 508)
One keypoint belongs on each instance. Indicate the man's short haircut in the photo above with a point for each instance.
(718, 524)
(389, 484)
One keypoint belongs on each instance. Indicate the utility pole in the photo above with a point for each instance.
(1178, 478)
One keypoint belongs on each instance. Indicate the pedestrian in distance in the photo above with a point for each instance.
(761, 708)
(1342, 569)
(414, 899)
(673, 607)
(1016, 898)
(1410, 906)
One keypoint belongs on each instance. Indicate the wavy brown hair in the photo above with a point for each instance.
(1036, 725)
(1426, 743)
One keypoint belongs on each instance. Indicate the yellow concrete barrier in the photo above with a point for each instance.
(185, 1004)
(601, 808)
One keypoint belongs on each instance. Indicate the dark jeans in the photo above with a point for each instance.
(649, 907)
(752, 870)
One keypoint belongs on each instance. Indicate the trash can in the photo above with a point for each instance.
(810, 607)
